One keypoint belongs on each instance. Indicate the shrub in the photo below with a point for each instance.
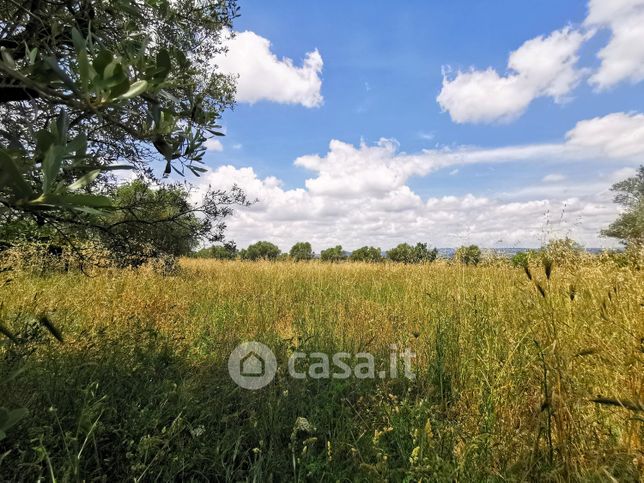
(469, 255)
(520, 260)
(262, 250)
(562, 250)
(405, 253)
(366, 254)
(301, 251)
(227, 251)
(333, 254)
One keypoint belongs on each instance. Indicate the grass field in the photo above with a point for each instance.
(506, 374)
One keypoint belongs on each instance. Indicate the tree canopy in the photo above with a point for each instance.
(87, 88)
(405, 253)
(629, 226)
(469, 255)
(262, 250)
(366, 254)
(301, 251)
(333, 254)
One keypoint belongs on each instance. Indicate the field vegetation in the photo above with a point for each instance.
(528, 372)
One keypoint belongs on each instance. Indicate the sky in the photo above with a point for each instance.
(502, 123)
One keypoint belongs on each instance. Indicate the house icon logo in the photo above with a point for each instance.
(252, 365)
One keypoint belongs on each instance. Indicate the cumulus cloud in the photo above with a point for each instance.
(543, 66)
(361, 194)
(617, 135)
(213, 144)
(622, 59)
(264, 76)
(547, 67)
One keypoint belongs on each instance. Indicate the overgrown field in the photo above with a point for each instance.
(516, 378)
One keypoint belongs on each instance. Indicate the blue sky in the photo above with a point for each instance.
(437, 138)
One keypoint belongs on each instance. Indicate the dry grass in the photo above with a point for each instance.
(516, 379)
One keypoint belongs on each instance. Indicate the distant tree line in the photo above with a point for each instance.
(303, 251)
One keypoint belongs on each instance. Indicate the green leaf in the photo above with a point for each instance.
(73, 201)
(137, 88)
(78, 40)
(11, 176)
(84, 180)
(101, 61)
(33, 54)
(61, 126)
(163, 65)
(44, 140)
(114, 76)
(120, 88)
(91, 167)
(83, 70)
(50, 168)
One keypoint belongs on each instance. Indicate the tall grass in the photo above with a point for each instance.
(517, 378)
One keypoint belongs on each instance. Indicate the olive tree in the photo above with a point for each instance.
(301, 251)
(333, 254)
(88, 88)
(366, 254)
(262, 250)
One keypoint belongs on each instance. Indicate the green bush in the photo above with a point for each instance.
(301, 251)
(405, 253)
(366, 254)
(227, 251)
(333, 254)
(520, 260)
(262, 250)
(469, 255)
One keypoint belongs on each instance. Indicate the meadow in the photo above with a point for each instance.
(520, 375)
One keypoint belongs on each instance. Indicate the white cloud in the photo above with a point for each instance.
(213, 144)
(263, 76)
(617, 135)
(622, 59)
(360, 195)
(623, 173)
(541, 67)
(553, 178)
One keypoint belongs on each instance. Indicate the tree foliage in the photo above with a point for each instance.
(226, 251)
(469, 255)
(301, 251)
(629, 226)
(520, 259)
(262, 250)
(162, 218)
(405, 253)
(90, 87)
(333, 254)
(366, 254)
